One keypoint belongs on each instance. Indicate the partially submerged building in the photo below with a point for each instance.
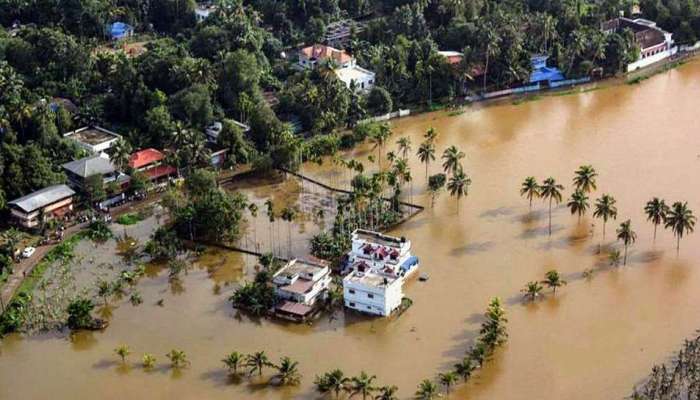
(299, 287)
(655, 44)
(343, 64)
(48, 203)
(378, 265)
(94, 139)
(543, 74)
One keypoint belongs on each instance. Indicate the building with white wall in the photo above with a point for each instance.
(343, 64)
(655, 44)
(94, 139)
(299, 285)
(378, 265)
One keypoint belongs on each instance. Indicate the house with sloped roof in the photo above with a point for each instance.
(343, 64)
(152, 163)
(654, 43)
(48, 203)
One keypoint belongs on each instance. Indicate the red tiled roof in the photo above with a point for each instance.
(323, 52)
(145, 157)
(294, 308)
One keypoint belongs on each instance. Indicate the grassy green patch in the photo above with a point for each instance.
(637, 80)
(129, 218)
(455, 113)
(62, 251)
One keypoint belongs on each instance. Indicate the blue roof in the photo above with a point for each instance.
(409, 263)
(119, 30)
(541, 72)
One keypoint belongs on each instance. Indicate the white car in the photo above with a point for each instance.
(28, 251)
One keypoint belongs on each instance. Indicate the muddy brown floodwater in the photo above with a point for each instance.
(594, 340)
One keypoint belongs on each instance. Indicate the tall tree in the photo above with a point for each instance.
(553, 280)
(426, 154)
(578, 204)
(362, 385)
(530, 189)
(404, 144)
(605, 208)
(452, 159)
(627, 236)
(656, 210)
(551, 191)
(680, 220)
(585, 179)
(459, 185)
(427, 390)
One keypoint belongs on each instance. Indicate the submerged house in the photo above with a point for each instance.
(45, 204)
(543, 74)
(655, 44)
(299, 287)
(378, 265)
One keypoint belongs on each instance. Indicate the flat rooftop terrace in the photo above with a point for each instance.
(92, 135)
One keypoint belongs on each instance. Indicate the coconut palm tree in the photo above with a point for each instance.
(459, 185)
(427, 390)
(532, 290)
(122, 351)
(287, 372)
(121, 152)
(585, 179)
(605, 208)
(253, 209)
(681, 221)
(431, 135)
(435, 184)
(362, 385)
(578, 204)
(256, 362)
(452, 157)
(426, 154)
(447, 379)
(233, 361)
(627, 235)
(378, 139)
(551, 190)
(530, 189)
(387, 393)
(656, 210)
(271, 218)
(553, 280)
(334, 381)
(464, 368)
(404, 144)
(288, 215)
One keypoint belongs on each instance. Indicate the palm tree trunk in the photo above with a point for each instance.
(550, 217)
(625, 260)
(678, 245)
(655, 226)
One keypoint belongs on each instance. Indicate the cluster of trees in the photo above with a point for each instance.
(678, 218)
(287, 371)
(178, 358)
(492, 335)
(193, 74)
(681, 379)
(552, 280)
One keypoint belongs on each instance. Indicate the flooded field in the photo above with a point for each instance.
(594, 340)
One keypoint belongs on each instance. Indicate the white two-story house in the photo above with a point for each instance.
(343, 64)
(378, 264)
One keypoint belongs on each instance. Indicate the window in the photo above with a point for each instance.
(370, 295)
(369, 307)
(352, 304)
(351, 291)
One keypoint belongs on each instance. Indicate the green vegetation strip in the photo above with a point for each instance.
(129, 219)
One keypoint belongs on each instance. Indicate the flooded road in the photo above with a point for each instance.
(594, 340)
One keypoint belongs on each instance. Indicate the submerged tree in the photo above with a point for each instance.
(427, 390)
(452, 159)
(532, 290)
(448, 379)
(256, 362)
(551, 191)
(426, 154)
(553, 280)
(233, 361)
(435, 184)
(627, 236)
(605, 208)
(287, 372)
(362, 385)
(459, 185)
(530, 189)
(578, 204)
(656, 210)
(680, 220)
(334, 381)
(585, 179)
(122, 351)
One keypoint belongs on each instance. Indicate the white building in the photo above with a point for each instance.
(202, 11)
(344, 65)
(298, 286)
(93, 138)
(655, 44)
(378, 266)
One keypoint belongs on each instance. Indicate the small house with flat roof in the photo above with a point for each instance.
(93, 138)
(48, 203)
(299, 286)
